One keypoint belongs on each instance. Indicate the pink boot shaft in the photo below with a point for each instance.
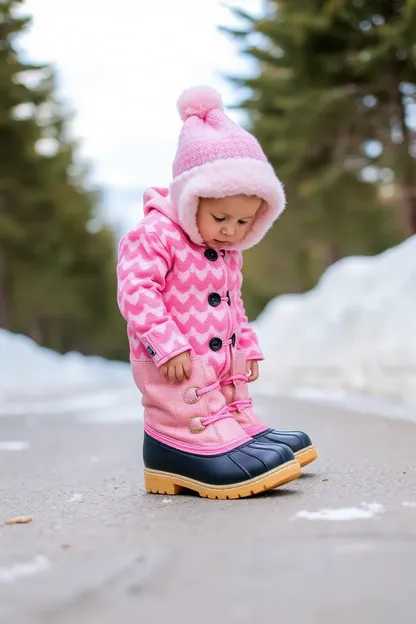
(191, 416)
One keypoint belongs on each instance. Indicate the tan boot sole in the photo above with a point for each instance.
(306, 456)
(157, 482)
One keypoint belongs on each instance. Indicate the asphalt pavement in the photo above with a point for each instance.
(337, 545)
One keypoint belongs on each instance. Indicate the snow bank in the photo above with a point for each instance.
(355, 331)
(38, 380)
(26, 366)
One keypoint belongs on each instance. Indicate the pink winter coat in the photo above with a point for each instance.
(177, 295)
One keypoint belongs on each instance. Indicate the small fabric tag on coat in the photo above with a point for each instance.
(151, 351)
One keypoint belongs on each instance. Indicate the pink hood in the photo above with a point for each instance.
(162, 200)
(216, 158)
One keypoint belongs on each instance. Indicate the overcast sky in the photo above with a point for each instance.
(122, 70)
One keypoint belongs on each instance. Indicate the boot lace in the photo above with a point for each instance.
(219, 414)
(239, 404)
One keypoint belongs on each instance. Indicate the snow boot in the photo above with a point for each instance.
(239, 403)
(191, 441)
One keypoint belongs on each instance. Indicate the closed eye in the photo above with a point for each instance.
(242, 222)
(218, 219)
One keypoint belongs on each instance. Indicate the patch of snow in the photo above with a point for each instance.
(76, 498)
(409, 504)
(14, 445)
(365, 512)
(19, 571)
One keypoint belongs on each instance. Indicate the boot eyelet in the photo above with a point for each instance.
(195, 425)
(190, 395)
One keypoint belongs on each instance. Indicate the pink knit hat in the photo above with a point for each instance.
(218, 158)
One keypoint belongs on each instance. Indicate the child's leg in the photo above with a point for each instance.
(192, 441)
(236, 393)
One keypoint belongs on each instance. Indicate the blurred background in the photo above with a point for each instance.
(88, 120)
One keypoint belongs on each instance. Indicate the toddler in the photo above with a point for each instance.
(192, 350)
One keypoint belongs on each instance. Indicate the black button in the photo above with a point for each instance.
(215, 344)
(233, 339)
(228, 297)
(211, 254)
(214, 299)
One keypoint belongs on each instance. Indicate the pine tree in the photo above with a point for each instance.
(19, 171)
(310, 106)
(57, 260)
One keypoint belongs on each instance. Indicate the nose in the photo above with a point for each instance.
(228, 230)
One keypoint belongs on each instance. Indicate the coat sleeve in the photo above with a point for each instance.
(248, 340)
(143, 263)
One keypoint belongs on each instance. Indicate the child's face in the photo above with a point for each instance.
(226, 220)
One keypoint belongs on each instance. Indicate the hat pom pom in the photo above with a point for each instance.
(198, 101)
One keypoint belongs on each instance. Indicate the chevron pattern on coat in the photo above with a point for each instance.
(164, 283)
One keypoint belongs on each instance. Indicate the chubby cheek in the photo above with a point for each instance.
(206, 229)
(211, 231)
